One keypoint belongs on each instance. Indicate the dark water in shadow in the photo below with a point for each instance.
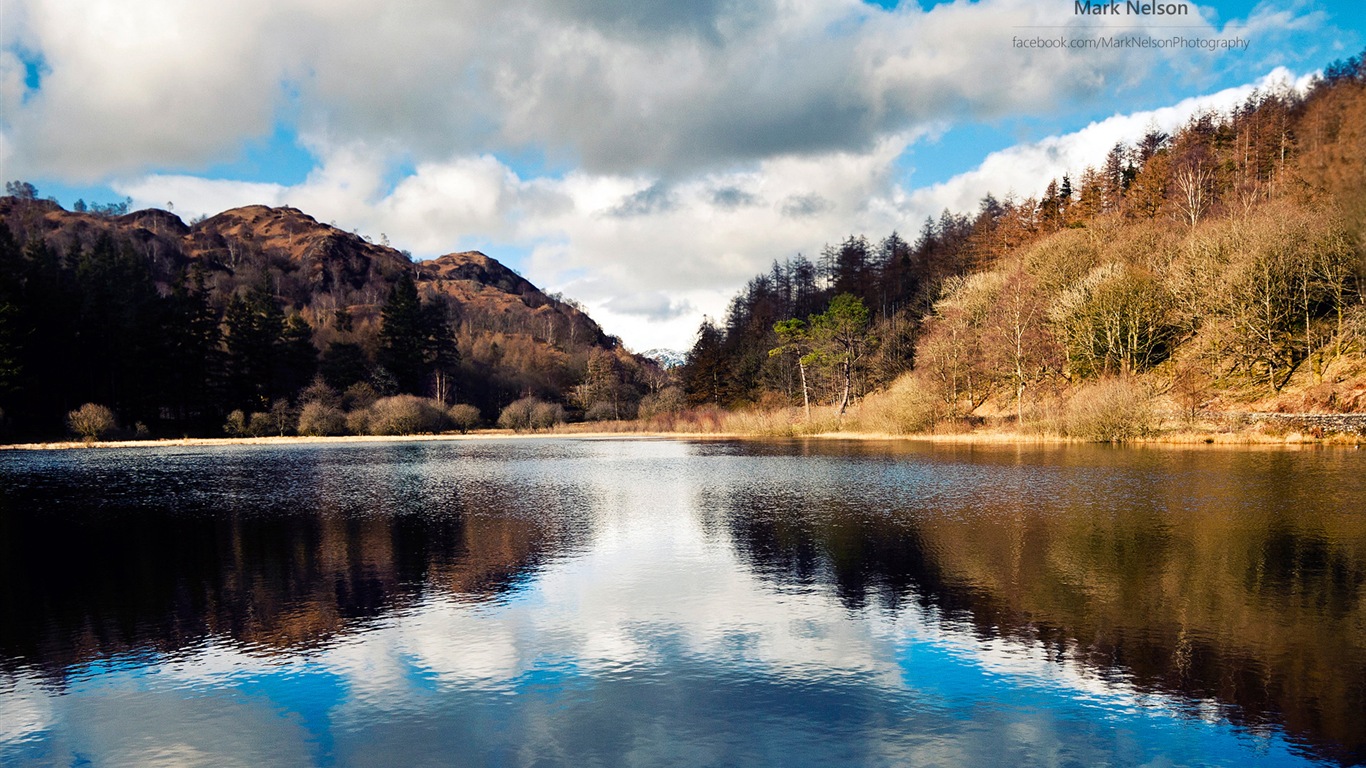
(579, 602)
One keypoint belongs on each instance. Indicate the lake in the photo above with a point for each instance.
(584, 602)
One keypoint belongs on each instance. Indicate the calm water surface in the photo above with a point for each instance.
(598, 602)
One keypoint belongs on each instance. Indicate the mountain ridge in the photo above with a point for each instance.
(513, 338)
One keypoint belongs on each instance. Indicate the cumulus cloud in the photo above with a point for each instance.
(655, 198)
(805, 206)
(128, 87)
(1025, 169)
(621, 88)
(655, 306)
(732, 197)
(648, 256)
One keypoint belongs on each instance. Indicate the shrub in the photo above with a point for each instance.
(358, 422)
(906, 407)
(463, 417)
(666, 401)
(91, 421)
(1044, 412)
(1191, 388)
(277, 421)
(600, 411)
(406, 415)
(359, 396)
(318, 419)
(1110, 410)
(546, 415)
(236, 425)
(517, 415)
(531, 413)
(260, 424)
(319, 392)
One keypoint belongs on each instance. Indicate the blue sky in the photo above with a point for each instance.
(645, 157)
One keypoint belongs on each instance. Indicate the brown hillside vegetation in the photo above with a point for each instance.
(330, 287)
(1221, 269)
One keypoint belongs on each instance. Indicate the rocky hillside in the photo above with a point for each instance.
(312, 265)
(513, 339)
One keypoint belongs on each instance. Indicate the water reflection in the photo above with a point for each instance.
(1233, 578)
(107, 553)
(617, 603)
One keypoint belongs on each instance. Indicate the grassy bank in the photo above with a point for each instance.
(888, 416)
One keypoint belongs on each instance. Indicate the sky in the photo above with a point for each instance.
(645, 157)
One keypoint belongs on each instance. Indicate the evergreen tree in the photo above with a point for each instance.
(11, 320)
(404, 337)
(298, 359)
(794, 340)
(441, 356)
(840, 338)
(117, 322)
(343, 364)
(254, 326)
(898, 281)
(705, 372)
(192, 336)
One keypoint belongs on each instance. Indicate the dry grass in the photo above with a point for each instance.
(709, 420)
(906, 408)
(1110, 410)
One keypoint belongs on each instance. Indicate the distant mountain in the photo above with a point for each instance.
(667, 358)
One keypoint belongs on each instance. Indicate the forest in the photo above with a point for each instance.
(1218, 267)
(264, 321)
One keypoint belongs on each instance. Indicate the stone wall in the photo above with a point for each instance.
(1316, 423)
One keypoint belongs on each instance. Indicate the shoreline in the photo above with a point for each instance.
(1198, 439)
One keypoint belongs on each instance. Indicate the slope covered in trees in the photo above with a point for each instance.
(1221, 266)
(263, 311)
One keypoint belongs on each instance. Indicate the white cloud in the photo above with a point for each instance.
(614, 89)
(159, 84)
(194, 196)
(1025, 169)
(648, 256)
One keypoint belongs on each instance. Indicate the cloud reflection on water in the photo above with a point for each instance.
(641, 629)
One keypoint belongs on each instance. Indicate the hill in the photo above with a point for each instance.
(1219, 268)
(174, 325)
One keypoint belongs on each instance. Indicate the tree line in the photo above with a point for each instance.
(1229, 252)
(239, 340)
(91, 326)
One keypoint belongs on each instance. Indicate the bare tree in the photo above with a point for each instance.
(1194, 192)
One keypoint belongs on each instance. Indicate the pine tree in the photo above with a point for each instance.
(840, 338)
(191, 337)
(705, 372)
(11, 329)
(343, 364)
(403, 336)
(117, 319)
(298, 358)
(441, 356)
(254, 326)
